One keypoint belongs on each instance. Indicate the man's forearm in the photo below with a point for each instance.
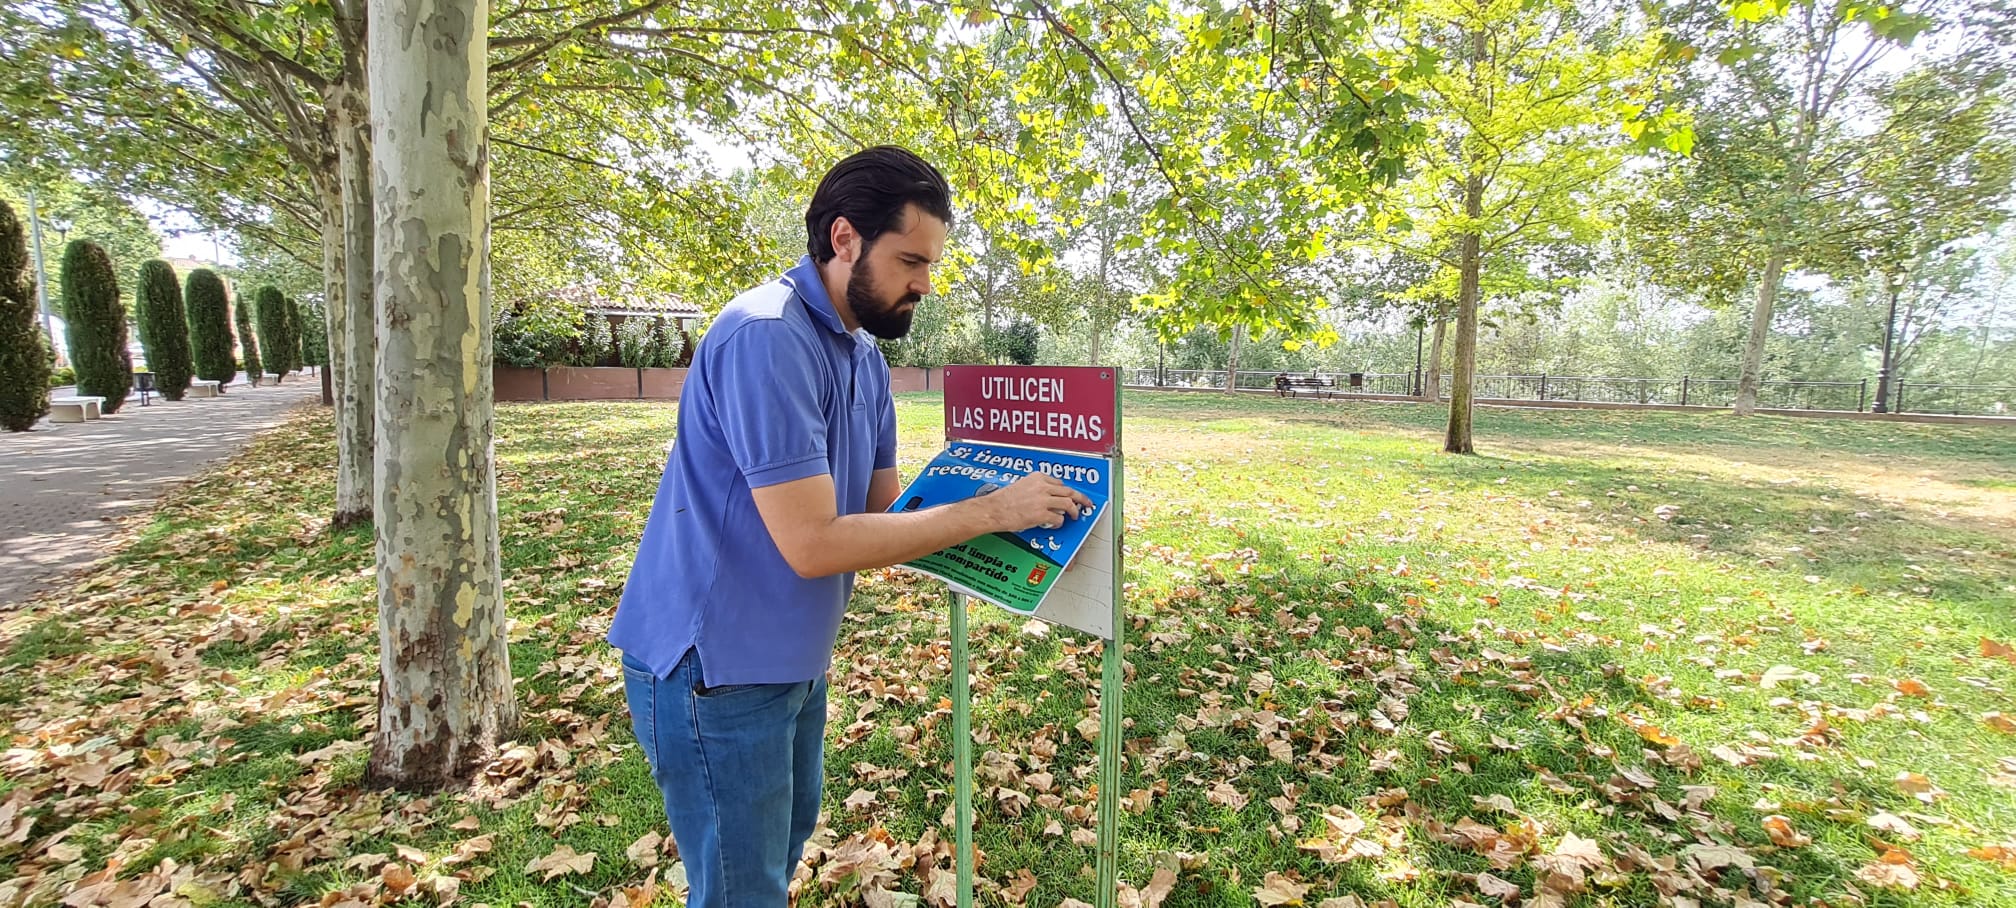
(860, 542)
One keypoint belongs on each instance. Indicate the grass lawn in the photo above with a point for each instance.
(1626, 659)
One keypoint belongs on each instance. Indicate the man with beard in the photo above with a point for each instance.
(774, 496)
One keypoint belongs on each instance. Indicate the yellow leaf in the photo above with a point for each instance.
(1653, 734)
(2000, 723)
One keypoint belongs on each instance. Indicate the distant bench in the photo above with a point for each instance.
(203, 388)
(75, 408)
(1286, 385)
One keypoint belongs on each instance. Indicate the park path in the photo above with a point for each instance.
(64, 486)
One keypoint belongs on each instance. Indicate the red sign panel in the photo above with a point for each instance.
(1063, 408)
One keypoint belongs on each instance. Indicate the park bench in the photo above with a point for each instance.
(1286, 385)
(203, 388)
(75, 408)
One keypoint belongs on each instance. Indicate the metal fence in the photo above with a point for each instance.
(1842, 396)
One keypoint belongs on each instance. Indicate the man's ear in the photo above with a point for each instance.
(846, 240)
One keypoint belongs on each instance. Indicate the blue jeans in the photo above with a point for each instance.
(740, 768)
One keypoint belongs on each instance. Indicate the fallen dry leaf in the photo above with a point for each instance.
(1276, 889)
(645, 851)
(1919, 787)
(1994, 650)
(1224, 793)
(1911, 687)
(2004, 855)
(397, 878)
(562, 862)
(1783, 674)
(1159, 887)
(1497, 802)
(1894, 825)
(2000, 722)
(1023, 884)
(1496, 888)
(1782, 834)
(1894, 870)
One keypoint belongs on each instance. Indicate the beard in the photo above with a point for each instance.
(888, 320)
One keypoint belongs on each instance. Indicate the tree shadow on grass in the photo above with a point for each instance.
(1794, 531)
(1991, 447)
(1217, 663)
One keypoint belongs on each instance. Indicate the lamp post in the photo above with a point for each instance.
(1417, 359)
(41, 274)
(1882, 404)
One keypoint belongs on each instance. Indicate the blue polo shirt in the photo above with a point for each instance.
(779, 391)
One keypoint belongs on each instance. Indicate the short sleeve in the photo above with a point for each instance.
(767, 391)
(885, 438)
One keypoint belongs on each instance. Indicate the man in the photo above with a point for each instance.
(773, 497)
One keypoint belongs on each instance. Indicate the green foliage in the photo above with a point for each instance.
(24, 349)
(533, 338)
(248, 341)
(633, 344)
(314, 335)
(210, 337)
(651, 343)
(95, 325)
(71, 210)
(595, 345)
(275, 335)
(297, 331)
(62, 377)
(164, 328)
(1016, 343)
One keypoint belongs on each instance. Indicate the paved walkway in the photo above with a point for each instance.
(64, 486)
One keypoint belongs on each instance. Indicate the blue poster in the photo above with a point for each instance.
(1012, 570)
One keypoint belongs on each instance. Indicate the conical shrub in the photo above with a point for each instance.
(248, 343)
(164, 328)
(210, 327)
(24, 350)
(273, 331)
(95, 324)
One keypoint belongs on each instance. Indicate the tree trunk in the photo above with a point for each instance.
(1102, 303)
(352, 318)
(1232, 364)
(1760, 332)
(444, 695)
(1470, 264)
(1464, 392)
(330, 192)
(1431, 378)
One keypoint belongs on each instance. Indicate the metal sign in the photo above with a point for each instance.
(1028, 414)
(1062, 408)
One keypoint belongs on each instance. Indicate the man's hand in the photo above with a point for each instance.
(816, 541)
(1035, 500)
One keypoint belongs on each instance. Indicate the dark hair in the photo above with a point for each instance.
(870, 189)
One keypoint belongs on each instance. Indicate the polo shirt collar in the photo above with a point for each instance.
(805, 279)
